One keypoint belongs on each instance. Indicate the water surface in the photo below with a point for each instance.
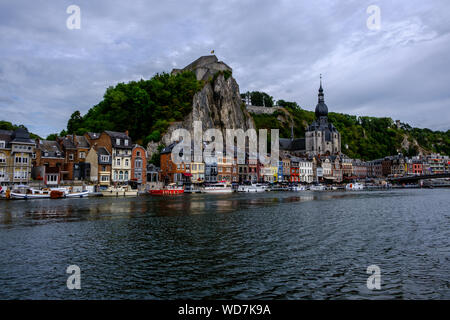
(274, 245)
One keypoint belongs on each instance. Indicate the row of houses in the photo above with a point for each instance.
(111, 158)
(297, 169)
(101, 158)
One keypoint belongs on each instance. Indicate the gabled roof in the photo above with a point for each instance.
(122, 136)
(52, 149)
(68, 143)
(82, 142)
(6, 135)
(93, 135)
(292, 144)
(21, 135)
(103, 151)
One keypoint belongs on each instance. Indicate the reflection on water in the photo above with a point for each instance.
(285, 245)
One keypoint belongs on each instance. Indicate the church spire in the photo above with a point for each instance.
(321, 95)
(321, 108)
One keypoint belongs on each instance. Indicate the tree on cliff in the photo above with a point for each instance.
(258, 98)
(144, 108)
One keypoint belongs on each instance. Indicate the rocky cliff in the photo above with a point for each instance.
(218, 104)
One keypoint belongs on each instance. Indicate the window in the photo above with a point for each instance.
(126, 176)
(104, 158)
(127, 163)
(138, 153)
(20, 174)
(118, 142)
(115, 176)
(118, 161)
(138, 163)
(52, 178)
(125, 142)
(104, 178)
(34, 155)
(82, 155)
(2, 174)
(71, 157)
(2, 158)
(2, 144)
(120, 175)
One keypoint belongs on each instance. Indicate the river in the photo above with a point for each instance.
(274, 245)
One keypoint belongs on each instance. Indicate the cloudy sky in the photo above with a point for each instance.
(47, 71)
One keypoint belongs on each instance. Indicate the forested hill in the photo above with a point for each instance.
(365, 138)
(145, 108)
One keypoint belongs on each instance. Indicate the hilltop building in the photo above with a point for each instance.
(322, 137)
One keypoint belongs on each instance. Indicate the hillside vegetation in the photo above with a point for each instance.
(144, 108)
(364, 138)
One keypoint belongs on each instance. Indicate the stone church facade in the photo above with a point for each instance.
(321, 136)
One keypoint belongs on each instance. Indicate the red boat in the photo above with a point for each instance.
(171, 189)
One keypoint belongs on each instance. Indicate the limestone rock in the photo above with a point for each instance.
(218, 104)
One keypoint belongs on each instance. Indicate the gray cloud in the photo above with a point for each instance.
(401, 71)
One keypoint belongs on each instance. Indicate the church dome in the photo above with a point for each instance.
(321, 110)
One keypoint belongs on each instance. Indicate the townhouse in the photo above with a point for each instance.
(16, 153)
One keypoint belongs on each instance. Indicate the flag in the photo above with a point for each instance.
(212, 51)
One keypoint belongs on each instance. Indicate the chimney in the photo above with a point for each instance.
(126, 132)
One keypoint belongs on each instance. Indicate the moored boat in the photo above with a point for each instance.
(298, 188)
(317, 187)
(24, 192)
(256, 187)
(119, 192)
(354, 186)
(221, 187)
(171, 189)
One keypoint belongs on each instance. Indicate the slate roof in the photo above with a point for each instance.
(93, 135)
(6, 135)
(82, 142)
(292, 144)
(122, 136)
(103, 152)
(21, 135)
(52, 149)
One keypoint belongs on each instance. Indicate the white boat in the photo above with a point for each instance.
(354, 186)
(120, 192)
(29, 193)
(81, 194)
(252, 188)
(298, 188)
(218, 188)
(317, 187)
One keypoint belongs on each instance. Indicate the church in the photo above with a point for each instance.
(321, 136)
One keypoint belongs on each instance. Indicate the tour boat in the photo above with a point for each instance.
(125, 191)
(252, 188)
(317, 187)
(171, 189)
(354, 186)
(23, 192)
(218, 188)
(298, 188)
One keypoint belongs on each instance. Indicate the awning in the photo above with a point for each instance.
(187, 174)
